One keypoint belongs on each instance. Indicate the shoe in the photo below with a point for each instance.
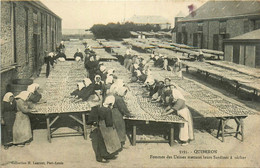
(6, 147)
(102, 161)
(20, 145)
(111, 158)
(185, 144)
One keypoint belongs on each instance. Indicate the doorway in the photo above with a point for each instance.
(36, 53)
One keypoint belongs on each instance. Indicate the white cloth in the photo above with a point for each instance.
(110, 100)
(149, 80)
(7, 96)
(23, 95)
(80, 85)
(102, 68)
(118, 84)
(110, 71)
(177, 94)
(78, 59)
(61, 59)
(51, 54)
(87, 82)
(121, 91)
(186, 129)
(31, 88)
(138, 72)
(109, 80)
(136, 66)
(97, 76)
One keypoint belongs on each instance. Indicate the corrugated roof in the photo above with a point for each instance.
(253, 35)
(222, 9)
(148, 19)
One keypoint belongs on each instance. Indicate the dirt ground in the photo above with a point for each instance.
(205, 151)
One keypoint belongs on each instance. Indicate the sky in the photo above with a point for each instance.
(82, 14)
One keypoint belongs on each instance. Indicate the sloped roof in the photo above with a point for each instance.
(222, 9)
(44, 7)
(253, 35)
(148, 19)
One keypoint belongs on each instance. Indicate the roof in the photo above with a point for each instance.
(224, 9)
(148, 19)
(250, 36)
(42, 6)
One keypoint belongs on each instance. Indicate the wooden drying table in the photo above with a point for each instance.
(239, 79)
(56, 115)
(134, 123)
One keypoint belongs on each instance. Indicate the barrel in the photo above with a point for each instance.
(19, 85)
(23, 81)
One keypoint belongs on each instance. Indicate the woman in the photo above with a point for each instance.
(76, 92)
(22, 133)
(116, 85)
(102, 72)
(92, 66)
(105, 140)
(8, 118)
(87, 90)
(78, 56)
(108, 83)
(120, 109)
(35, 95)
(178, 106)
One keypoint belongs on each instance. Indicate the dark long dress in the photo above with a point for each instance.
(102, 141)
(9, 112)
(86, 92)
(153, 89)
(118, 112)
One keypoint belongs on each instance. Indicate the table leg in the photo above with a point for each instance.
(84, 125)
(219, 127)
(48, 128)
(242, 129)
(187, 68)
(222, 130)
(134, 135)
(238, 125)
(171, 135)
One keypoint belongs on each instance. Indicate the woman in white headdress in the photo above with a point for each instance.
(116, 85)
(105, 140)
(35, 95)
(109, 81)
(78, 56)
(178, 106)
(7, 119)
(22, 132)
(120, 109)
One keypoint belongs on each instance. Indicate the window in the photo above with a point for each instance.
(183, 27)
(200, 26)
(246, 26)
(256, 24)
(27, 34)
(222, 27)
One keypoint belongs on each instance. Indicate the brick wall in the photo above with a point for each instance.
(25, 61)
(6, 35)
(234, 27)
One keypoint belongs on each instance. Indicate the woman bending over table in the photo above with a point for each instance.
(178, 106)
